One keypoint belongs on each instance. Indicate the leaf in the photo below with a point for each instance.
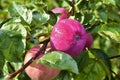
(59, 60)
(82, 60)
(2, 60)
(38, 32)
(102, 56)
(17, 10)
(103, 16)
(40, 18)
(93, 71)
(53, 18)
(64, 75)
(12, 40)
(105, 62)
(10, 67)
(117, 3)
(111, 31)
(5, 72)
(89, 17)
(23, 76)
(109, 2)
(113, 15)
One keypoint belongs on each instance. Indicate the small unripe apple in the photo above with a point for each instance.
(68, 35)
(37, 71)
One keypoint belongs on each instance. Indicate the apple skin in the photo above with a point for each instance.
(68, 35)
(89, 40)
(63, 11)
(37, 71)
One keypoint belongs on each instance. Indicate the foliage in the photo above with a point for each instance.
(25, 23)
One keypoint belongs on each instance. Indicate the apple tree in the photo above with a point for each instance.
(59, 40)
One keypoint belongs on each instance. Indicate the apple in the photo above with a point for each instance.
(68, 35)
(37, 71)
(63, 11)
(89, 40)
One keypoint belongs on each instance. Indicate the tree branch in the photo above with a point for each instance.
(41, 50)
(73, 8)
(117, 56)
(44, 41)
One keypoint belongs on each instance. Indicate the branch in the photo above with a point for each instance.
(73, 8)
(44, 41)
(117, 56)
(41, 50)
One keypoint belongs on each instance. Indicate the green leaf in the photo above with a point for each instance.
(64, 75)
(109, 2)
(93, 71)
(37, 32)
(59, 60)
(23, 76)
(103, 16)
(40, 18)
(10, 67)
(2, 60)
(104, 59)
(12, 41)
(89, 17)
(82, 60)
(113, 15)
(5, 71)
(117, 2)
(17, 10)
(53, 18)
(101, 56)
(111, 31)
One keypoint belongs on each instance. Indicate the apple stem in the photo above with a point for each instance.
(41, 50)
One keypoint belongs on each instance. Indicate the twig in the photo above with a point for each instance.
(41, 50)
(73, 7)
(44, 41)
(117, 56)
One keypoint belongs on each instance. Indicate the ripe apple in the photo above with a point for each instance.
(63, 11)
(68, 35)
(37, 71)
(89, 40)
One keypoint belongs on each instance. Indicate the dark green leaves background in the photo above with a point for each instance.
(24, 23)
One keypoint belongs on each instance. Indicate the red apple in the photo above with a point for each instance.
(63, 11)
(37, 71)
(89, 40)
(68, 35)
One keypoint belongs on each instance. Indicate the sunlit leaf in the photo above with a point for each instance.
(59, 60)
(111, 31)
(40, 18)
(109, 2)
(12, 40)
(19, 10)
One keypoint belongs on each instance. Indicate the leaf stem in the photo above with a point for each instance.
(41, 50)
